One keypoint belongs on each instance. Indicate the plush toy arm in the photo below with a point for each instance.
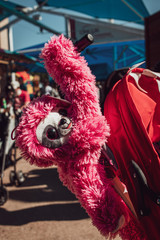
(86, 177)
(97, 195)
(102, 203)
(72, 74)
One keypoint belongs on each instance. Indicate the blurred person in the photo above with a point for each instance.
(21, 98)
(21, 82)
(29, 86)
(26, 82)
(7, 124)
(37, 88)
(47, 87)
(55, 91)
(7, 102)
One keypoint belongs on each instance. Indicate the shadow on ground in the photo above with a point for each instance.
(42, 186)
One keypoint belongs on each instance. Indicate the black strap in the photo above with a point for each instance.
(142, 188)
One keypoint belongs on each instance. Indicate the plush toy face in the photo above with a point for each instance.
(54, 130)
(44, 128)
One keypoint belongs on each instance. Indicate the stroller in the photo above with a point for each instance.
(8, 153)
(132, 108)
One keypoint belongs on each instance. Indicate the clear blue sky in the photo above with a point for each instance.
(25, 34)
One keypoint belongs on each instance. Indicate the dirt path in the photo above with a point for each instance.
(43, 209)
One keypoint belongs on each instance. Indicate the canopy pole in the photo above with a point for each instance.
(27, 12)
(21, 15)
(133, 9)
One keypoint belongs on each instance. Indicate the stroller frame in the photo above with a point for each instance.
(9, 153)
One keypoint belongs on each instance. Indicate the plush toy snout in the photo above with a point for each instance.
(54, 130)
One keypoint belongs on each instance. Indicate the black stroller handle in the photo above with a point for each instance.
(84, 42)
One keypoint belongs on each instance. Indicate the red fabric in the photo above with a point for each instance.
(24, 96)
(134, 120)
(22, 99)
(24, 75)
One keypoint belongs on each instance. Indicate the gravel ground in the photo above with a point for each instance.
(43, 209)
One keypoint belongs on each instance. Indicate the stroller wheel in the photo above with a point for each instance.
(3, 195)
(20, 177)
(12, 177)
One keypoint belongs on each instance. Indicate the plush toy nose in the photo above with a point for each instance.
(52, 133)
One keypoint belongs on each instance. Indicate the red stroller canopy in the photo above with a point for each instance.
(132, 108)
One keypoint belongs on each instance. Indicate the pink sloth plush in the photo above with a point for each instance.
(70, 134)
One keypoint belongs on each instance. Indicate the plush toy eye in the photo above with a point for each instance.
(62, 122)
(52, 133)
(63, 112)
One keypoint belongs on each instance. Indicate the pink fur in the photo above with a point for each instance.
(78, 160)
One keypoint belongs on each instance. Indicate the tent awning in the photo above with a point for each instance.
(8, 9)
(20, 62)
(127, 10)
(105, 58)
(5, 14)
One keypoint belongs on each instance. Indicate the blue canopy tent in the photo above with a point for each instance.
(127, 10)
(107, 57)
(104, 58)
